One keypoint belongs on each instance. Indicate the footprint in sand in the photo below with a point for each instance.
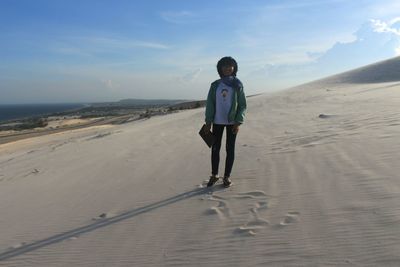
(222, 209)
(244, 230)
(256, 223)
(258, 199)
(252, 194)
(252, 226)
(262, 205)
(290, 217)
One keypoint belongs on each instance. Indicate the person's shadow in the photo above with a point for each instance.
(102, 223)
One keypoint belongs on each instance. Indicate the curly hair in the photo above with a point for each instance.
(227, 61)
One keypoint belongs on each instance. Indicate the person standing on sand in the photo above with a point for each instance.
(225, 108)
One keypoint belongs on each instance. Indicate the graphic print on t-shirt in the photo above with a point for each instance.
(224, 93)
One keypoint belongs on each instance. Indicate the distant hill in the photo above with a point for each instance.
(140, 102)
(188, 105)
(380, 72)
(146, 102)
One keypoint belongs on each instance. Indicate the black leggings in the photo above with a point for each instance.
(218, 130)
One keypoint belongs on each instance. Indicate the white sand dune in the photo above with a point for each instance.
(316, 183)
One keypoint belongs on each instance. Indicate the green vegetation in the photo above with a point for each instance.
(26, 124)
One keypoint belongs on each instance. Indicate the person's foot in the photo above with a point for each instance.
(213, 180)
(227, 182)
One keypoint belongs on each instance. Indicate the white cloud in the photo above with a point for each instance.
(147, 45)
(382, 26)
(121, 43)
(374, 41)
(177, 16)
(191, 76)
(394, 21)
(90, 46)
(397, 50)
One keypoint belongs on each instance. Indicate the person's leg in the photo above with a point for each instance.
(218, 130)
(230, 150)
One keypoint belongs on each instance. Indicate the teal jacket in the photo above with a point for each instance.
(239, 105)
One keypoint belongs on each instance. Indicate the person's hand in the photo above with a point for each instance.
(235, 128)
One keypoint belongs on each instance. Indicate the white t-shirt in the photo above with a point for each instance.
(223, 104)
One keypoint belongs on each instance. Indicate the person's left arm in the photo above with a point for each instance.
(241, 109)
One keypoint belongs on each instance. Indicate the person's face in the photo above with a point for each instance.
(227, 70)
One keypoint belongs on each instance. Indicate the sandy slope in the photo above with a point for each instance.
(309, 190)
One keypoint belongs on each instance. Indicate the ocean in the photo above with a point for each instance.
(12, 112)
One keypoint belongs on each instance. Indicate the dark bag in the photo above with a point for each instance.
(207, 136)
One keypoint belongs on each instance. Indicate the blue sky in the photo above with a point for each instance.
(87, 51)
